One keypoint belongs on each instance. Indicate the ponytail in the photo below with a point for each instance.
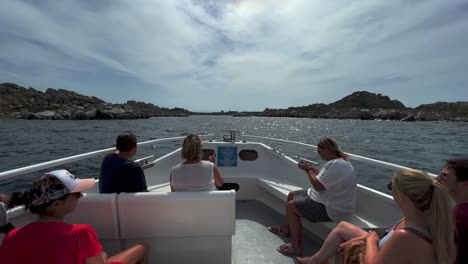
(24, 198)
(433, 200)
(19, 198)
(441, 224)
(191, 148)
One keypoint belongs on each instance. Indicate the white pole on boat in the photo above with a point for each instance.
(353, 156)
(48, 164)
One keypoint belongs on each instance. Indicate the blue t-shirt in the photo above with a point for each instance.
(121, 175)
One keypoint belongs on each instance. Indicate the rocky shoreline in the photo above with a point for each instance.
(60, 104)
(369, 106)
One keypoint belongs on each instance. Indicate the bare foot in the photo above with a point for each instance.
(306, 260)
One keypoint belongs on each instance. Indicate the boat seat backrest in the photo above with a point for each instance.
(177, 214)
(98, 211)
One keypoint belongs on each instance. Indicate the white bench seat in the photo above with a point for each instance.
(180, 227)
(100, 212)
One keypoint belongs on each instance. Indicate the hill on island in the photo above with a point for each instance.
(20, 102)
(29, 103)
(365, 105)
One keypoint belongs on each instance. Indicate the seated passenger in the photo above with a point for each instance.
(454, 176)
(425, 235)
(195, 174)
(50, 239)
(118, 172)
(332, 196)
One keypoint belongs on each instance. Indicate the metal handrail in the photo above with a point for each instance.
(353, 156)
(48, 164)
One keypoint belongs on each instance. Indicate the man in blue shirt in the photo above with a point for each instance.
(118, 172)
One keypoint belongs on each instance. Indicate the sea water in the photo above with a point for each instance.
(421, 145)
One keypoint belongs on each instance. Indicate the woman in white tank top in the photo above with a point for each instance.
(195, 174)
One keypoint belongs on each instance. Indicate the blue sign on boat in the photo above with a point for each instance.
(227, 156)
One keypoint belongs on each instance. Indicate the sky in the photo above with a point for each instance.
(238, 55)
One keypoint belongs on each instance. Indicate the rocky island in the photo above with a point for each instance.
(29, 103)
(365, 105)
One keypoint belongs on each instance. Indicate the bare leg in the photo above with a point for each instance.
(293, 218)
(339, 258)
(284, 227)
(343, 232)
(136, 254)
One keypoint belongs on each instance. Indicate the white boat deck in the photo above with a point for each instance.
(253, 243)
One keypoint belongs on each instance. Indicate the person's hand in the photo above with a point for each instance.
(303, 165)
(212, 158)
(372, 237)
(3, 214)
(345, 244)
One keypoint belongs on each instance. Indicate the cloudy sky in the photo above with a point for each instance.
(238, 55)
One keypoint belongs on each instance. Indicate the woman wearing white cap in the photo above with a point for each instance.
(49, 239)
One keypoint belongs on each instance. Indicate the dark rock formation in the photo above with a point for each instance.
(367, 100)
(19, 102)
(366, 106)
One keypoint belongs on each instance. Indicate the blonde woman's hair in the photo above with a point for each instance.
(433, 200)
(331, 145)
(191, 148)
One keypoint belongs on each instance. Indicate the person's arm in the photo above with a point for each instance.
(100, 258)
(139, 179)
(312, 174)
(219, 181)
(170, 181)
(397, 249)
(5, 225)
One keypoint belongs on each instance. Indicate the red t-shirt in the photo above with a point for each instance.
(461, 216)
(52, 242)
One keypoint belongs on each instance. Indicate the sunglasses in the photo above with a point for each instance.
(390, 186)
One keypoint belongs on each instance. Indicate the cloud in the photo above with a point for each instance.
(238, 54)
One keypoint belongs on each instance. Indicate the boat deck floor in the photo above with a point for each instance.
(253, 243)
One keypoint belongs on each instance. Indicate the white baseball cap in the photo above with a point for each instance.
(56, 184)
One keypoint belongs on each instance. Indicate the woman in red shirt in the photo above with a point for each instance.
(50, 239)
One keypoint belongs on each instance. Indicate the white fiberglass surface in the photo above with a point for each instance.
(253, 243)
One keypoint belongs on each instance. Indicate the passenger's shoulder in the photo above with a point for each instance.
(406, 237)
(206, 163)
(109, 155)
(82, 227)
(131, 164)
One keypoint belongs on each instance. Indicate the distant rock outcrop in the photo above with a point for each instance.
(20, 102)
(365, 105)
(367, 100)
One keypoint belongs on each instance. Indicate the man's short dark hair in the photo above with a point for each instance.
(460, 166)
(126, 141)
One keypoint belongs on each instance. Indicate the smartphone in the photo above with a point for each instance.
(302, 160)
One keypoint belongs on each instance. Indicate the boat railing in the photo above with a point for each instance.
(379, 163)
(48, 164)
(57, 162)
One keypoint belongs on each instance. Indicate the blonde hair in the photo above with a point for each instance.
(191, 148)
(331, 145)
(433, 200)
